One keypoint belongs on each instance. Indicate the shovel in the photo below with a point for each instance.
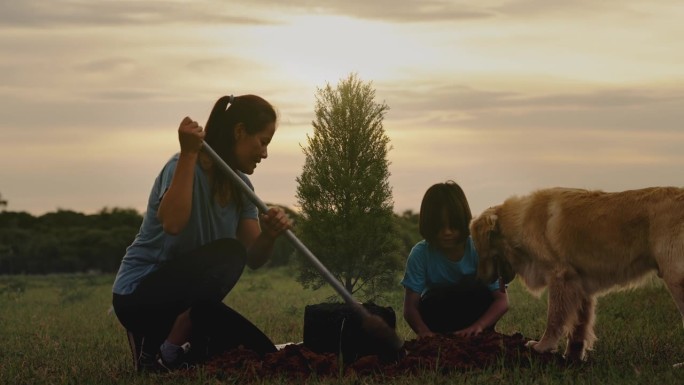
(372, 324)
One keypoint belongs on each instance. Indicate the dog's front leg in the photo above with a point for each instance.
(564, 302)
(582, 335)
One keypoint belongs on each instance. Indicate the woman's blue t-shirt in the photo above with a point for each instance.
(208, 222)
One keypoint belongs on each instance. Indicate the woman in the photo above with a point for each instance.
(442, 294)
(197, 234)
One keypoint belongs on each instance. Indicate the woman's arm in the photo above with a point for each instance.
(176, 204)
(412, 315)
(259, 243)
(495, 311)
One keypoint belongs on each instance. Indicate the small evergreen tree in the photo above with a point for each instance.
(344, 192)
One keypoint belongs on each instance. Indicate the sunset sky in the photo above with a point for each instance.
(504, 97)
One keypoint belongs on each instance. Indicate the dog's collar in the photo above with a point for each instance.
(497, 265)
(502, 284)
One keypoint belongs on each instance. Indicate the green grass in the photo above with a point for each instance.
(58, 330)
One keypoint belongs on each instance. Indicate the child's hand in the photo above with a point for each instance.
(470, 331)
(426, 334)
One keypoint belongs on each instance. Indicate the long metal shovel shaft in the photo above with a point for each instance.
(288, 233)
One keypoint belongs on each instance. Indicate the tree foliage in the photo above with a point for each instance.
(3, 202)
(344, 192)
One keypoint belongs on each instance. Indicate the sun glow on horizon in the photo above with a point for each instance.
(322, 48)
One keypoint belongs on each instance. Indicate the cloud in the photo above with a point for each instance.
(36, 13)
(48, 14)
(464, 11)
(388, 10)
(610, 108)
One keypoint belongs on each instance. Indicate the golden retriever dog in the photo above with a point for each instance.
(580, 244)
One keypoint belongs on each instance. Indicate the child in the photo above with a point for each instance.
(442, 294)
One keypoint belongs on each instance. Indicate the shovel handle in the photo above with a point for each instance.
(288, 233)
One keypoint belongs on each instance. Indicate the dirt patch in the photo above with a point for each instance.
(442, 353)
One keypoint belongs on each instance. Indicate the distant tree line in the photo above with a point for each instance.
(67, 241)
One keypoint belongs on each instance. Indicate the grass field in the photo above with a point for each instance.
(58, 330)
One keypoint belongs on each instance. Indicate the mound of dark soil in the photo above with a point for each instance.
(442, 353)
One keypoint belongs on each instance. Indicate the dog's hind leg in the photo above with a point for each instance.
(675, 283)
(581, 338)
(565, 296)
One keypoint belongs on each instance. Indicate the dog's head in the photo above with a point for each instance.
(488, 241)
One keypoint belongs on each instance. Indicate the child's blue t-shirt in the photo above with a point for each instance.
(427, 268)
(208, 222)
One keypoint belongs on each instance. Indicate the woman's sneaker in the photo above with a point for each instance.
(143, 362)
(182, 360)
(148, 363)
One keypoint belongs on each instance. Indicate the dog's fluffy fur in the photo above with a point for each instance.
(580, 244)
